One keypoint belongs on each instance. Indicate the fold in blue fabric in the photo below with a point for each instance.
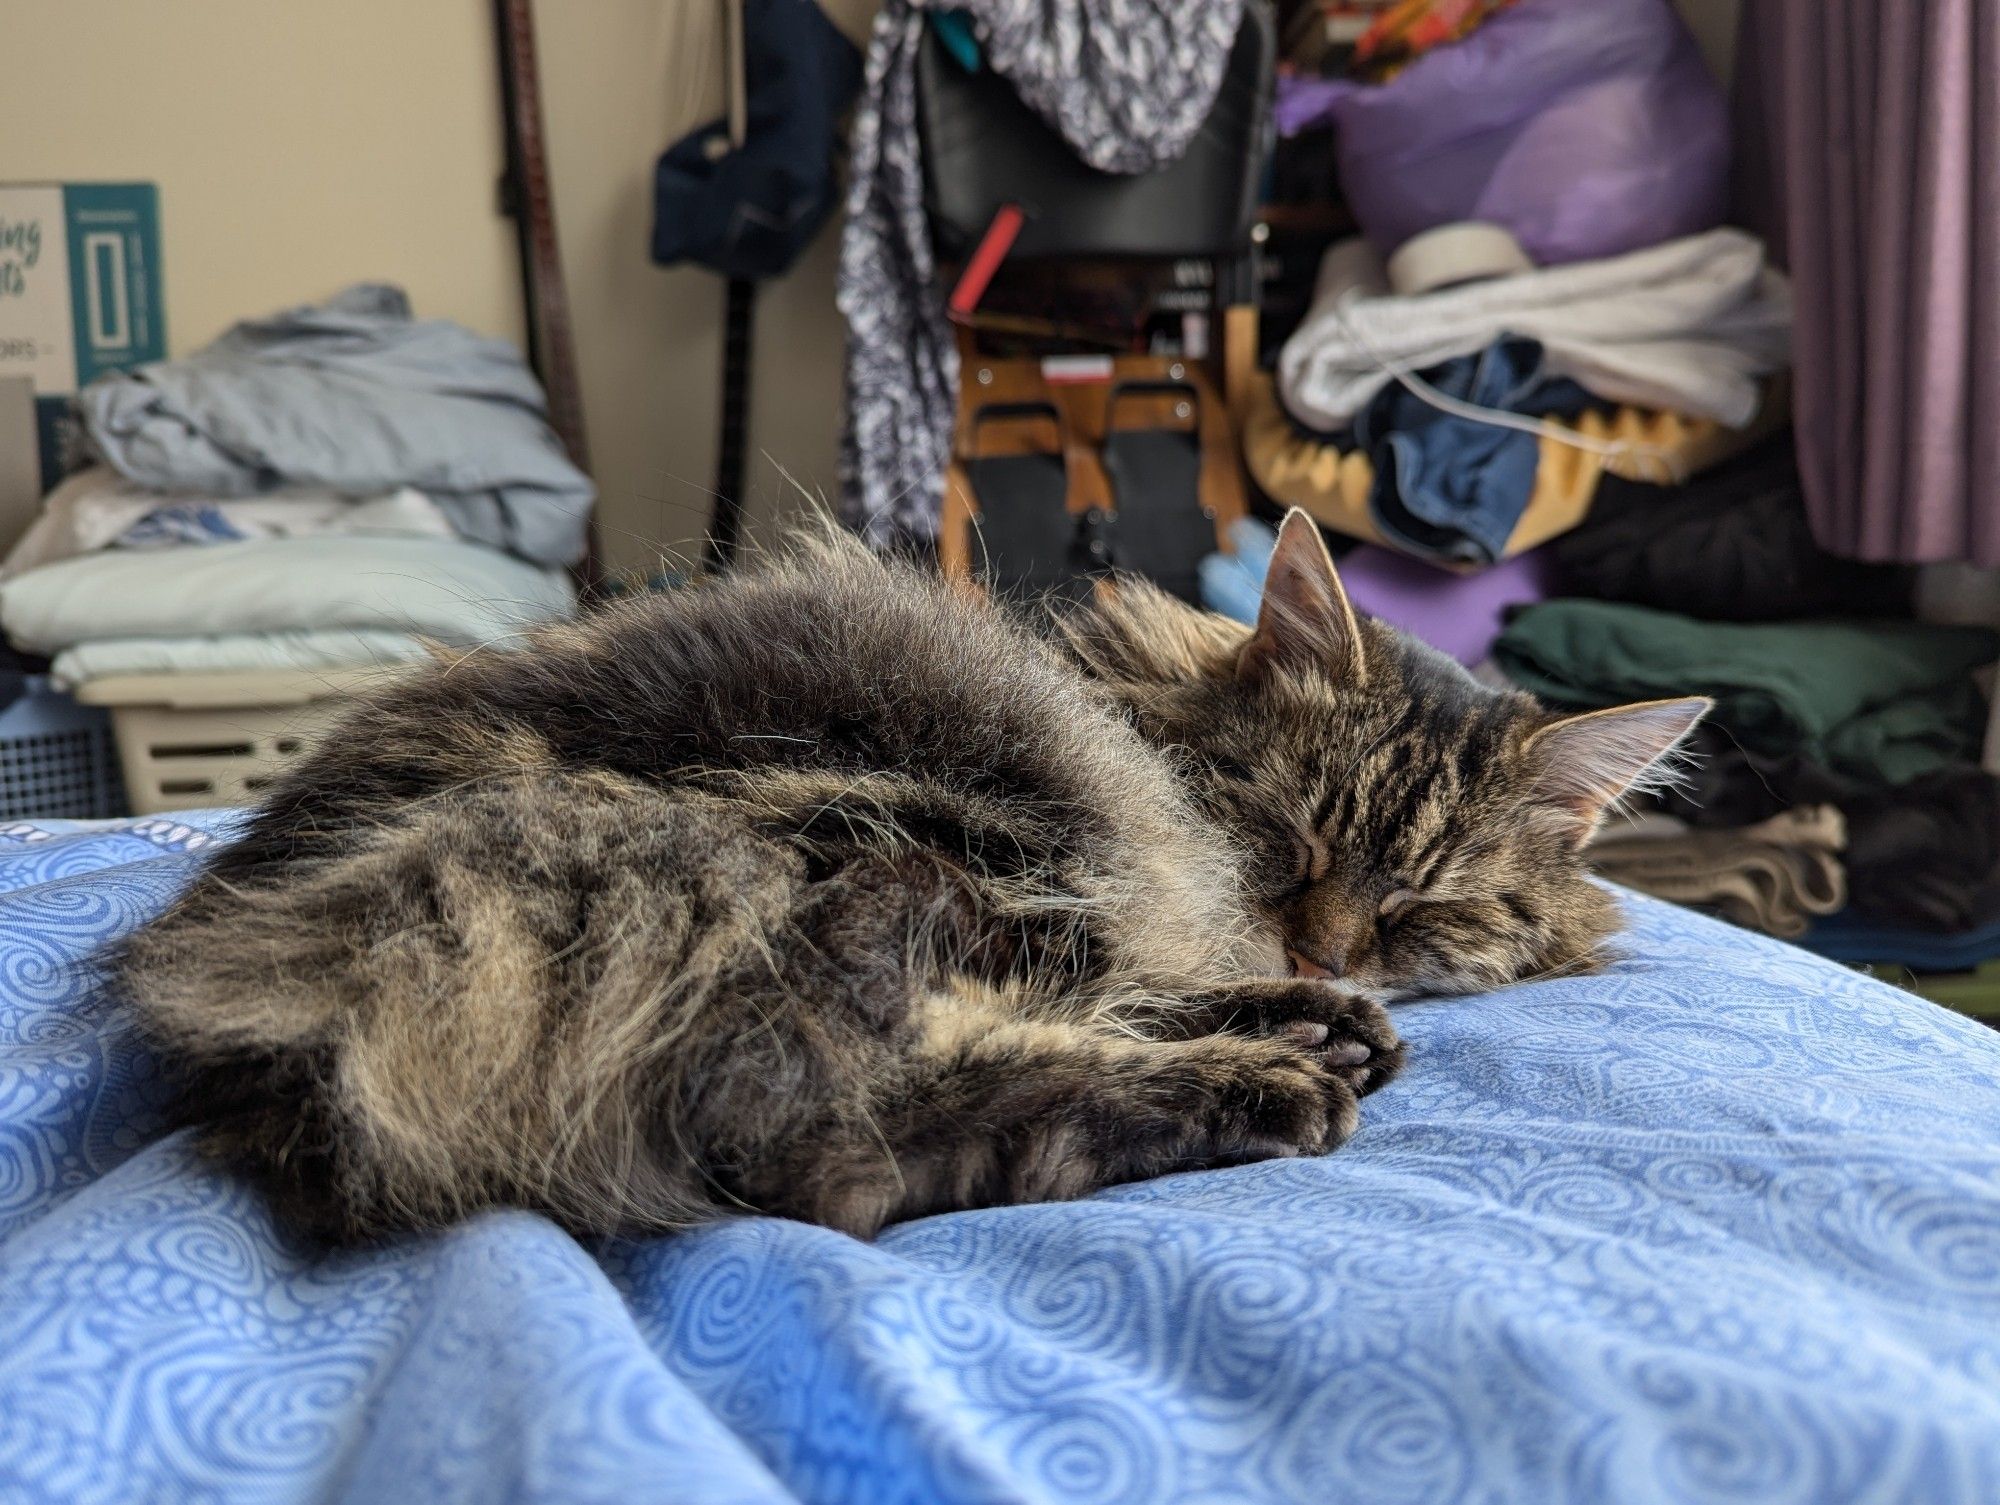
(1449, 487)
(1720, 1224)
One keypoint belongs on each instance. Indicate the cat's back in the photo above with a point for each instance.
(824, 715)
(825, 661)
(832, 658)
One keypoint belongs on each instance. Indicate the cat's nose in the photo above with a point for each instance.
(1307, 966)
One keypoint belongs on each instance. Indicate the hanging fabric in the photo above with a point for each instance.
(1869, 152)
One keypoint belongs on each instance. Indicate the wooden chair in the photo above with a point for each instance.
(1083, 401)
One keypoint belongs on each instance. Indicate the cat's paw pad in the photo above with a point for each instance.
(1350, 1035)
(1362, 1046)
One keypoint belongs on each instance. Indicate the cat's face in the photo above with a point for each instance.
(1421, 835)
(1408, 830)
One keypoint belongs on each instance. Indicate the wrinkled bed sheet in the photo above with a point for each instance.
(1721, 1224)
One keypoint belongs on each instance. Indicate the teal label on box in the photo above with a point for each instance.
(114, 291)
(80, 294)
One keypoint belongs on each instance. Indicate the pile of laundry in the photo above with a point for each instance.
(1543, 306)
(1484, 415)
(333, 486)
(1840, 793)
(1542, 404)
(1544, 293)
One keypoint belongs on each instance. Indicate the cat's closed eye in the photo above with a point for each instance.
(1310, 861)
(1229, 768)
(1397, 900)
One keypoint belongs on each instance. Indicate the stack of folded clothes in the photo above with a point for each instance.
(1845, 746)
(1885, 702)
(1776, 876)
(333, 486)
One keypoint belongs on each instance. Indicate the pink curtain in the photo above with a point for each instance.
(1869, 153)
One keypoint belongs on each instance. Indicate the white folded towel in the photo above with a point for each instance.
(99, 509)
(1690, 326)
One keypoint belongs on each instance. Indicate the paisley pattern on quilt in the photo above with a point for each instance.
(1722, 1224)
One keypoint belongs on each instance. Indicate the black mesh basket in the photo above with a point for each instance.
(57, 758)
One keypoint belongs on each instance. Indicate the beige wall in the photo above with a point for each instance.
(298, 146)
(303, 144)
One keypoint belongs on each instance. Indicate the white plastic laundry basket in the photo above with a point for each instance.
(193, 741)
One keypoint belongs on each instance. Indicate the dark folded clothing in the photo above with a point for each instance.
(1928, 854)
(1730, 545)
(1846, 937)
(1925, 854)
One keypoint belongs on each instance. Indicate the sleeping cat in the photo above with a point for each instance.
(829, 890)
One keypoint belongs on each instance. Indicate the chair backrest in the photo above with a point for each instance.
(984, 148)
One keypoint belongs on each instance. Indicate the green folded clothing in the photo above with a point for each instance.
(1880, 700)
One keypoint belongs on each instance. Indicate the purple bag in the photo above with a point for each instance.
(1586, 127)
(1458, 614)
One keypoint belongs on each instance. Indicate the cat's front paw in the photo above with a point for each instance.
(1360, 1045)
(1271, 1097)
(1350, 1035)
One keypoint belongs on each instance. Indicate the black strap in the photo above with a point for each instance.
(738, 323)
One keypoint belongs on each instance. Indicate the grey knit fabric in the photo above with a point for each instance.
(1126, 82)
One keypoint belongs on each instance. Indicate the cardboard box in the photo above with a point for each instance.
(80, 294)
(20, 461)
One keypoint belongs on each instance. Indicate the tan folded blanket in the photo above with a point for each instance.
(1773, 876)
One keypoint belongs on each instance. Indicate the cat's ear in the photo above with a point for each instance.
(1581, 764)
(1306, 619)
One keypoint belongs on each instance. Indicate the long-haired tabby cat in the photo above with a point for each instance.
(831, 891)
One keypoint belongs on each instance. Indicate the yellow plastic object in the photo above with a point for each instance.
(196, 741)
(1297, 470)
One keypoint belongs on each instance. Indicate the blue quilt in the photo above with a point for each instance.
(1723, 1224)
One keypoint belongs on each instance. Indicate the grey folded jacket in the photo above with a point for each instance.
(354, 395)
